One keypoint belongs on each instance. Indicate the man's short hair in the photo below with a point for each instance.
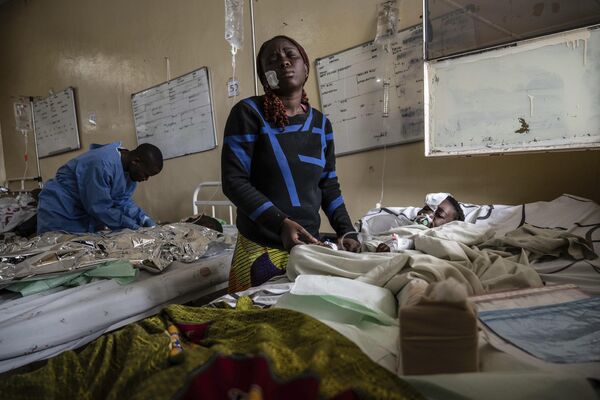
(460, 215)
(150, 155)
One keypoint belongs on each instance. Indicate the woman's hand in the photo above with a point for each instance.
(292, 233)
(349, 244)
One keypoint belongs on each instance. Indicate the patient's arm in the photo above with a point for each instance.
(388, 244)
(376, 244)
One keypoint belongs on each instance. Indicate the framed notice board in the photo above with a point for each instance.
(177, 115)
(55, 123)
(351, 87)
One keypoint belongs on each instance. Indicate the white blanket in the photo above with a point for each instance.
(440, 253)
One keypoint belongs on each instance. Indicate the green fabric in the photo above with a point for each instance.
(132, 363)
(115, 269)
(353, 306)
(222, 221)
(27, 288)
(122, 271)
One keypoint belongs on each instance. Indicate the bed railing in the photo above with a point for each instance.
(24, 179)
(210, 202)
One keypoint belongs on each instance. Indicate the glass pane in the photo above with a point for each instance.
(457, 26)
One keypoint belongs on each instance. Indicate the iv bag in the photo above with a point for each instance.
(234, 27)
(387, 27)
(387, 22)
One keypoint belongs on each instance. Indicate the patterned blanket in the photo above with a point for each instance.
(227, 354)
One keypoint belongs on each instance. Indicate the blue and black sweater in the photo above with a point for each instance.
(271, 174)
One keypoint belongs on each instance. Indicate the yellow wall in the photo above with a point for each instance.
(110, 49)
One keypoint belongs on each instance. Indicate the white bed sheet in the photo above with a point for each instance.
(43, 325)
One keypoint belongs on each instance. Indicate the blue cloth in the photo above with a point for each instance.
(89, 192)
(148, 222)
(273, 173)
(560, 333)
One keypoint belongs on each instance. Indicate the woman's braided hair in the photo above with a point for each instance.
(272, 104)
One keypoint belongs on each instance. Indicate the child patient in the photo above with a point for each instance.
(439, 209)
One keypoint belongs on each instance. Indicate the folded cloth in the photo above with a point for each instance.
(122, 271)
(352, 295)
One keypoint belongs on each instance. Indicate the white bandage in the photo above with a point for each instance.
(272, 79)
(433, 200)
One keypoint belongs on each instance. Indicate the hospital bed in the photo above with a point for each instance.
(501, 375)
(505, 371)
(42, 325)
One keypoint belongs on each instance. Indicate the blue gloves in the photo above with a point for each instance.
(148, 222)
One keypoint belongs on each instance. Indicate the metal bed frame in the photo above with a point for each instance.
(212, 203)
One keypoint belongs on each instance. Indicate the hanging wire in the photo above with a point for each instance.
(26, 154)
(233, 78)
(380, 203)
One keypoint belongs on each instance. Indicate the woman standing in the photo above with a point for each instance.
(278, 168)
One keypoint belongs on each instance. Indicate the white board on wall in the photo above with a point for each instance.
(539, 95)
(351, 91)
(177, 115)
(55, 123)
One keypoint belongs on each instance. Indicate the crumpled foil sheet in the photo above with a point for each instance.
(150, 248)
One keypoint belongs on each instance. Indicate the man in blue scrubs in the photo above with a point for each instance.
(94, 190)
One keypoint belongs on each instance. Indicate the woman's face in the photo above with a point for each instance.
(283, 57)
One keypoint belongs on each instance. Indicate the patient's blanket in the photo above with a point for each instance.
(544, 242)
(468, 253)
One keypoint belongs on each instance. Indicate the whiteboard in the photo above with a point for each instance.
(55, 123)
(351, 91)
(176, 116)
(539, 95)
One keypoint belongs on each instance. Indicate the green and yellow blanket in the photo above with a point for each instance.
(227, 354)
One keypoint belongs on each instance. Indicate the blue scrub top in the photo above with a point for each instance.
(89, 192)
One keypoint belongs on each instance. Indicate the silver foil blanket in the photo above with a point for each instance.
(153, 249)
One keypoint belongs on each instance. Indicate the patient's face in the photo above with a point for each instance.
(425, 211)
(443, 214)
